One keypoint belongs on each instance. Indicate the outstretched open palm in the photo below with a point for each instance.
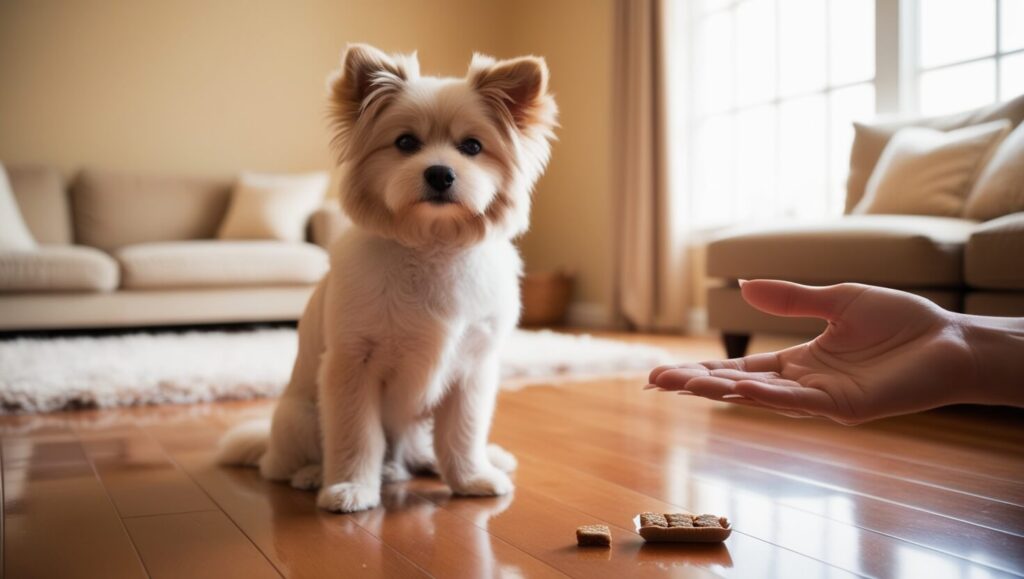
(884, 352)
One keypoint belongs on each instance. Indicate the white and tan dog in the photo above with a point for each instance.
(397, 369)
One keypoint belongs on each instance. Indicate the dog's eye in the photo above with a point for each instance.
(471, 147)
(407, 143)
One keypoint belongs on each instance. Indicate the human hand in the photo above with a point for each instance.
(884, 353)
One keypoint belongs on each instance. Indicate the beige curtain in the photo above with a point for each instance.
(651, 290)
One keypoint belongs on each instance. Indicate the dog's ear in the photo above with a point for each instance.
(366, 74)
(516, 88)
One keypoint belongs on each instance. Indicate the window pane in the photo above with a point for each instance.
(714, 63)
(801, 45)
(712, 5)
(755, 43)
(1011, 25)
(713, 171)
(755, 175)
(802, 187)
(852, 40)
(1011, 71)
(954, 30)
(855, 103)
(958, 88)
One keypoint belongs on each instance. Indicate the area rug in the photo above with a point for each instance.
(47, 374)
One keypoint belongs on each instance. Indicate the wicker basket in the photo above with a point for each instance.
(546, 297)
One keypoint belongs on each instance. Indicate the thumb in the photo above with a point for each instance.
(783, 298)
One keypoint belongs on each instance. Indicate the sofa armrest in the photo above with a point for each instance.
(327, 224)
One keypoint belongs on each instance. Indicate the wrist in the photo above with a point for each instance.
(997, 350)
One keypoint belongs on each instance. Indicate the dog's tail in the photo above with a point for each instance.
(244, 444)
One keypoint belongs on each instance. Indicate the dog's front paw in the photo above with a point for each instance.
(486, 483)
(307, 478)
(348, 497)
(501, 458)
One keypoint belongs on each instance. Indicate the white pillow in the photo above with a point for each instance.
(929, 172)
(265, 206)
(14, 234)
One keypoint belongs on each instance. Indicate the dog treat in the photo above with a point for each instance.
(682, 528)
(653, 520)
(707, 521)
(678, 520)
(593, 536)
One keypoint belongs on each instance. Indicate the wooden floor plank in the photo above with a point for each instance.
(546, 530)
(833, 443)
(446, 545)
(196, 545)
(286, 526)
(707, 446)
(140, 478)
(621, 457)
(761, 519)
(59, 521)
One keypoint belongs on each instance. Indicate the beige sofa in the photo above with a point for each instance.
(123, 250)
(960, 264)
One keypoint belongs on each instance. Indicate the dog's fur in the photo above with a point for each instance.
(397, 369)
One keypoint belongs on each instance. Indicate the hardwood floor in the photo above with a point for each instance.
(135, 493)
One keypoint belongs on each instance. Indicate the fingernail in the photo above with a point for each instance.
(684, 393)
(741, 282)
(733, 396)
(650, 386)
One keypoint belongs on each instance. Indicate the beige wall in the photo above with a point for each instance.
(214, 87)
(572, 216)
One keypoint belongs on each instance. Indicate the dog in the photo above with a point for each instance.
(397, 369)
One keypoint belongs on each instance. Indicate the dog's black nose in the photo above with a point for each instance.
(439, 177)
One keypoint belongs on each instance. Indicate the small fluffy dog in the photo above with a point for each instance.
(397, 369)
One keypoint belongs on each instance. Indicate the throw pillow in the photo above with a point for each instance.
(265, 206)
(999, 189)
(870, 140)
(929, 172)
(14, 234)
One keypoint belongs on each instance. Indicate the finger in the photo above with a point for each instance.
(737, 375)
(787, 397)
(677, 378)
(653, 378)
(783, 298)
(768, 362)
(711, 387)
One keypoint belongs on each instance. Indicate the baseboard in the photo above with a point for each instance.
(591, 315)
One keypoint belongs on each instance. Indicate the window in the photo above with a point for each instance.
(969, 53)
(774, 86)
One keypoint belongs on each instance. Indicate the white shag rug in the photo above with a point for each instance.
(47, 374)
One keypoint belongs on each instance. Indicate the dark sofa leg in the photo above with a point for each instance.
(735, 344)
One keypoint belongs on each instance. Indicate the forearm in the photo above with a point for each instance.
(997, 345)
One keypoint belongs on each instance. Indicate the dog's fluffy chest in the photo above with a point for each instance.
(422, 319)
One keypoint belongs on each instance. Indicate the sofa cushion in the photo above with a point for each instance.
(43, 202)
(57, 268)
(269, 206)
(112, 210)
(185, 264)
(909, 251)
(999, 189)
(994, 254)
(870, 140)
(14, 234)
(929, 172)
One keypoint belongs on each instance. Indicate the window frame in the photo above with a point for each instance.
(896, 80)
